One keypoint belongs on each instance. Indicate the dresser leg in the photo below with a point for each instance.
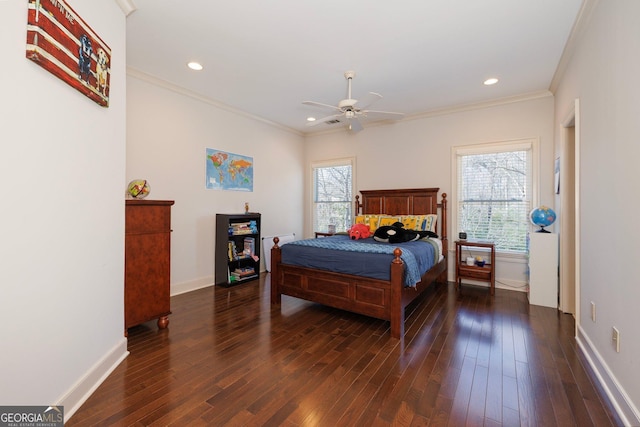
(163, 322)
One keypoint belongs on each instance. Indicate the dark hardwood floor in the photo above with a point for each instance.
(229, 358)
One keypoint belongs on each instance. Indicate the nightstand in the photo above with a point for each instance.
(486, 273)
(323, 234)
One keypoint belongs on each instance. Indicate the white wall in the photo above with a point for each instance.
(603, 74)
(168, 132)
(417, 153)
(62, 241)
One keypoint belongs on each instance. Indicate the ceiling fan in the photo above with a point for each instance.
(352, 110)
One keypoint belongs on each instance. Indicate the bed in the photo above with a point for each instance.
(384, 299)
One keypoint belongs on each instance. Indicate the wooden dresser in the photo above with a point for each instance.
(147, 262)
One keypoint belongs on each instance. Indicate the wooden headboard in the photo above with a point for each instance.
(413, 201)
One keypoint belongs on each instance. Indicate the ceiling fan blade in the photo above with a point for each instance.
(368, 99)
(382, 114)
(355, 125)
(324, 119)
(320, 104)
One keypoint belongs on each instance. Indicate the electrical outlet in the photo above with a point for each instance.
(616, 339)
(593, 311)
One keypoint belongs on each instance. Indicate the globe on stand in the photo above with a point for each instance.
(542, 216)
(139, 188)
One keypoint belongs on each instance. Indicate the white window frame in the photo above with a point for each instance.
(346, 161)
(493, 147)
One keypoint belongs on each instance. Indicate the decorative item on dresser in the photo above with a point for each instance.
(138, 189)
(147, 263)
(382, 298)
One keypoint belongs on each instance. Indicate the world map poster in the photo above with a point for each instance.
(228, 171)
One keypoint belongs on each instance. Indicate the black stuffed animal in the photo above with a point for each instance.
(396, 233)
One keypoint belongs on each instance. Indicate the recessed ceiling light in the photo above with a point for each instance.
(311, 119)
(490, 81)
(195, 66)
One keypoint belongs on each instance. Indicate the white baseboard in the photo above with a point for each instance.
(625, 408)
(510, 285)
(192, 285)
(81, 391)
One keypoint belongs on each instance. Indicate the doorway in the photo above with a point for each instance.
(569, 285)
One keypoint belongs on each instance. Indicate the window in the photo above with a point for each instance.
(494, 192)
(332, 194)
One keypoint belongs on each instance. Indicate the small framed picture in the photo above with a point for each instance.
(556, 174)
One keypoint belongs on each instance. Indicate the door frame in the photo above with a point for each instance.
(570, 165)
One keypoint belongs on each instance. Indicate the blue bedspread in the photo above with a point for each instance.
(364, 257)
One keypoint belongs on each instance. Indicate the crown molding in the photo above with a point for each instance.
(133, 72)
(480, 105)
(127, 6)
(583, 18)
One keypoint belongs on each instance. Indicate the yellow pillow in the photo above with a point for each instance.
(429, 223)
(412, 222)
(370, 221)
(420, 222)
(388, 220)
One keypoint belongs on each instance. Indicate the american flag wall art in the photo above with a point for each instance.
(62, 43)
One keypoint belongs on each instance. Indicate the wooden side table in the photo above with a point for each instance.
(323, 234)
(486, 273)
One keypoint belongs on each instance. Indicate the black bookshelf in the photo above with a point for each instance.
(237, 257)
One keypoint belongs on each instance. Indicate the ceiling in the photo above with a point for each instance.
(264, 58)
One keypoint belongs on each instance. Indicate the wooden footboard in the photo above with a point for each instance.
(371, 297)
(377, 298)
(381, 299)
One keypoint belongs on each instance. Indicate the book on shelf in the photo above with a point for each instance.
(243, 272)
(246, 227)
(232, 251)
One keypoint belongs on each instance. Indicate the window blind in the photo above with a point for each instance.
(494, 195)
(333, 195)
